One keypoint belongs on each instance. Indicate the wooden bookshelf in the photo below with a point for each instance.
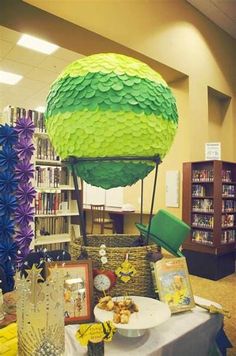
(209, 204)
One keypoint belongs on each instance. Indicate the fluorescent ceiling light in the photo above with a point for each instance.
(9, 78)
(37, 44)
(40, 108)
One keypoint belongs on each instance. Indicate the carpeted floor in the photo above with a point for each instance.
(223, 292)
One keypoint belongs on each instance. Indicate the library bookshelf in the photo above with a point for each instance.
(209, 207)
(54, 203)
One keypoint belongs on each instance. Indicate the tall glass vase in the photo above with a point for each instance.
(40, 313)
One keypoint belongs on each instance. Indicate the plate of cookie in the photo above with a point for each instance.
(132, 312)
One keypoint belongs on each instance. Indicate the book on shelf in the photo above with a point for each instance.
(228, 236)
(202, 237)
(227, 220)
(11, 114)
(51, 203)
(228, 206)
(198, 190)
(47, 176)
(202, 205)
(202, 220)
(226, 175)
(202, 175)
(228, 190)
(52, 226)
(45, 150)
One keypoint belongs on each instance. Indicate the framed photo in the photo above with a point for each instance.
(173, 284)
(78, 290)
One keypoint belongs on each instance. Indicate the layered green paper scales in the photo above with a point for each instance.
(109, 105)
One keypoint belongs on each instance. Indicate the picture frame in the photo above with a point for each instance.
(173, 284)
(78, 290)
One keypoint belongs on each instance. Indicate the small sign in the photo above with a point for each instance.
(212, 151)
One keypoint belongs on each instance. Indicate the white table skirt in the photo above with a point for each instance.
(190, 333)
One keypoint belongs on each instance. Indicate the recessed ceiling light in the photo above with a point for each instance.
(40, 108)
(37, 44)
(9, 78)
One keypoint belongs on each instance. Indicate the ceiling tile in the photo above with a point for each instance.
(43, 75)
(35, 85)
(26, 56)
(54, 64)
(67, 55)
(15, 67)
(5, 48)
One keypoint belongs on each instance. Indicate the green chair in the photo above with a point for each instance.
(167, 231)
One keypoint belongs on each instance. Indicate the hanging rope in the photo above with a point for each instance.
(152, 203)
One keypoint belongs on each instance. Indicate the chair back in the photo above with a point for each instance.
(98, 213)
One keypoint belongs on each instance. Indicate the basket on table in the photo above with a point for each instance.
(117, 246)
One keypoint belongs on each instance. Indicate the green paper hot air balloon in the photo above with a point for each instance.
(111, 105)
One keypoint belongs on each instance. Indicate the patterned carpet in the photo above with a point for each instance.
(223, 292)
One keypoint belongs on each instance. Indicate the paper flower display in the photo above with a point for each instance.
(25, 127)
(7, 204)
(8, 250)
(111, 105)
(25, 193)
(8, 157)
(24, 171)
(25, 149)
(24, 214)
(8, 135)
(6, 227)
(8, 182)
(24, 237)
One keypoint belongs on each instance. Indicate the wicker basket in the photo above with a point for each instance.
(117, 246)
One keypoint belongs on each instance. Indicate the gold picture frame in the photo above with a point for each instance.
(78, 290)
(173, 284)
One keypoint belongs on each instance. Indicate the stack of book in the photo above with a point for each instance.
(47, 176)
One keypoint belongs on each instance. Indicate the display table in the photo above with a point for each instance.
(186, 334)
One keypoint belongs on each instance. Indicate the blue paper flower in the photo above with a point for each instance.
(8, 135)
(8, 182)
(24, 214)
(8, 250)
(25, 127)
(24, 171)
(8, 204)
(24, 149)
(10, 272)
(25, 193)
(24, 237)
(8, 157)
(6, 227)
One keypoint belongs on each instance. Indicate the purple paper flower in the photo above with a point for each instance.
(25, 127)
(24, 149)
(25, 193)
(8, 182)
(24, 171)
(21, 254)
(8, 157)
(24, 237)
(24, 214)
(7, 204)
(8, 135)
(8, 250)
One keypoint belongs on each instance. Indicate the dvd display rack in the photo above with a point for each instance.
(209, 207)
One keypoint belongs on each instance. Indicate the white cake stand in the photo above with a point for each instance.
(151, 313)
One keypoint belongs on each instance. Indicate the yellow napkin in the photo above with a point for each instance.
(8, 340)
